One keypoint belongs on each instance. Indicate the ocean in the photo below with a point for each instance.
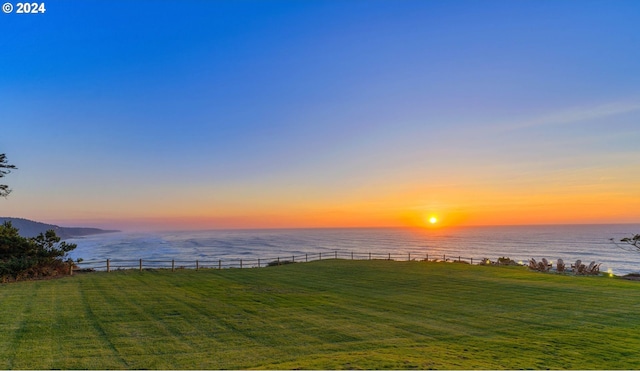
(252, 248)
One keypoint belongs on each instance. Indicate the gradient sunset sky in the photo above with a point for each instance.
(270, 114)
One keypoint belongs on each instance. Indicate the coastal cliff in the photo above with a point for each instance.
(30, 228)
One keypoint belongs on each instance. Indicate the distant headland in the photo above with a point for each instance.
(30, 228)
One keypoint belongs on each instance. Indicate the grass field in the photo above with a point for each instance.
(329, 314)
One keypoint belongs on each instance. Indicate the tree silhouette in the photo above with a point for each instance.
(5, 169)
(629, 243)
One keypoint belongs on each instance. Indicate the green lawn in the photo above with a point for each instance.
(329, 314)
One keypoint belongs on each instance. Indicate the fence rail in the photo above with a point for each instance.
(173, 264)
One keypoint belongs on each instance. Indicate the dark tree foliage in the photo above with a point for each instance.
(629, 243)
(633, 241)
(30, 258)
(5, 169)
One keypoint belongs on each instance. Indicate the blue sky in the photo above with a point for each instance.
(211, 114)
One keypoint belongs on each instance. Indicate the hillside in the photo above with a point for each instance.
(29, 228)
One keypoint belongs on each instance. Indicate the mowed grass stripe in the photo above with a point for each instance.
(327, 314)
(129, 320)
(14, 317)
(167, 324)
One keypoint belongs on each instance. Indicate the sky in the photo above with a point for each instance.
(139, 114)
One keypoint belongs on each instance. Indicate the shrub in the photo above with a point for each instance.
(279, 262)
(506, 261)
(30, 258)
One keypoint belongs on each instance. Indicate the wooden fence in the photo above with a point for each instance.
(141, 264)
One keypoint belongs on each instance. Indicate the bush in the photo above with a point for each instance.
(506, 261)
(275, 263)
(31, 258)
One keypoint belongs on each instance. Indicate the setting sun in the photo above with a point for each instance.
(433, 220)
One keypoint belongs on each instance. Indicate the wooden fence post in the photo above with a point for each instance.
(389, 256)
(293, 258)
(197, 264)
(108, 267)
(369, 256)
(173, 265)
(258, 262)
(306, 258)
(352, 255)
(320, 256)
(336, 254)
(219, 264)
(140, 265)
(240, 263)
(471, 261)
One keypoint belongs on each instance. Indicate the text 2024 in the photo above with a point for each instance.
(30, 8)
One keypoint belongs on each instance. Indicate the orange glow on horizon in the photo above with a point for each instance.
(451, 205)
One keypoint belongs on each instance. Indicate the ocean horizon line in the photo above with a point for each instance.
(425, 228)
